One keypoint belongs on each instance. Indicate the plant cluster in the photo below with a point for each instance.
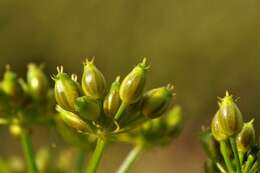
(231, 143)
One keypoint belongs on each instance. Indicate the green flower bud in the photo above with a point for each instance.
(37, 81)
(93, 81)
(216, 129)
(132, 86)
(11, 86)
(112, 100)
(246, 138)
(230, 117)
(66, 90)
(87, 108)
(174, 120)
(73, 120)
(156, 101)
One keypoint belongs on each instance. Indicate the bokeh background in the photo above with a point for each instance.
(203, 47)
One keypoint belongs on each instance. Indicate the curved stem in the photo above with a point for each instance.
(96, 157)
(249, 163)
(80, 161)
(235, 151)
(132, 156)
(221, 168)
(224, 152)
(28, 151)
(120, 110)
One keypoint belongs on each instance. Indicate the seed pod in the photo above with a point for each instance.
(156, 101)
(173, 120)
(246, 138)
(87, 108)
(230, 117)
(216, 129)
(66, 90)
(73, 120)
(37, 81)
(11, 86)
(93, 81)
(112, 100)
(132, 86)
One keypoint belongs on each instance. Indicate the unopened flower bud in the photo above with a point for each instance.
(112, 100)
(156, 101)
(93, 81)
(87, 108)
(230, 117)
(246, 138)
(174, 120)
(66, 90)
(37, 81)
(72, 120)
(216, 129)
(132, 86)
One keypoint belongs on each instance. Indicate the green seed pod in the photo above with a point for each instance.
(93, 81)
(216, 129)
(11, 86)
(246, 138)
(173, 120)
(87, 108)
(66, 90)
(37, 81)
(156, 101)
(73, 120)
(230, 117)
(132, 86)
(112, 100)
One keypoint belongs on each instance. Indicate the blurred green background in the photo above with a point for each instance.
(203, 47)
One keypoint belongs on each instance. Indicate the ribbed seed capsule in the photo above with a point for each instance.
(87, 108)
(216, 129)
(93, 81)
(66, 90)
(73, 120)
(246, 138)
(132, 86)
(230, 117)
(37, 81)
(156, 101)
(112, 100)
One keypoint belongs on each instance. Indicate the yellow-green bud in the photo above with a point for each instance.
(93, 81)
(246, 138)
(156, 101)
(66, 90)
(112, 100)
(87, 108)
(37, 81)
(174, 119)
(230, 117)
(216, 129)
(11, 86)
(132, 86)
(73, 120)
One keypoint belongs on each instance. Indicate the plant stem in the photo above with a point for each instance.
(241, 157)
(255, 167)
(28, 151)
(132, 156)
(224, 152)
(249, 163)
(96, 157)
(120, 110)
(80, 161)
(235, 151)
(221, 168)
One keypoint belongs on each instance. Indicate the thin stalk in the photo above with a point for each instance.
(120, 110)
(28, 152)
(255, 167)
(224, 152)
(249, 163)
(241, 157)
(80, 161)
(221, 168)
(96, 157)
(132, 156)
(235, 151)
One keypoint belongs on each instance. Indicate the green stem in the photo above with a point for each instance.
(254, 168)
(80, 161)
(28, 151)
(120, 110)
(221, 168)
(241, 157)
(249, 163)
(224, 152)
(96, 157)
(132, 156)
(235, 151)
